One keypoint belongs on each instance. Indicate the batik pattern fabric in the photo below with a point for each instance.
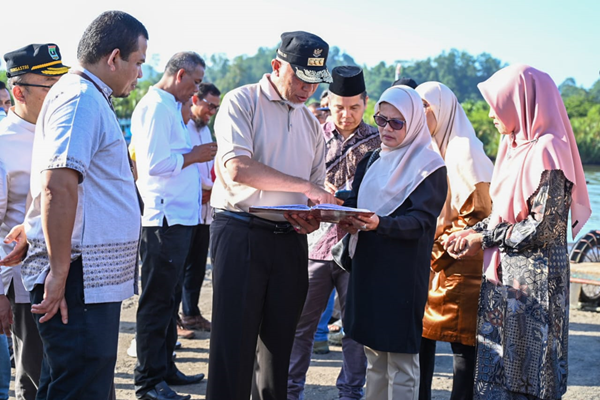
(522, 340)
(343, 155)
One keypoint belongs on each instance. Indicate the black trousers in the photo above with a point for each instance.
(79, 357)
(28, 348)
(195, 269)
(463, 365)
(163, 252)
(260, 281)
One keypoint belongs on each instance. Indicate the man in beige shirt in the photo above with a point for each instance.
(271, 152)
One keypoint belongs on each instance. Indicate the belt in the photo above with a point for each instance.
(252, 220)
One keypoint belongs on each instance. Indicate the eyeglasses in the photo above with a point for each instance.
(33, 85)
(395, 124)
(211, 106)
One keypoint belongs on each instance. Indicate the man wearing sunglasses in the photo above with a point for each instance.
(205, 104)
(32, 70)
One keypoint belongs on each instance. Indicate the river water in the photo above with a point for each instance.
(592, 175)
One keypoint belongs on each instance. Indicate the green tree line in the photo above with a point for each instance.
(459, 70)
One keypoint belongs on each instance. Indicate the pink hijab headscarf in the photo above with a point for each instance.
(528, 103)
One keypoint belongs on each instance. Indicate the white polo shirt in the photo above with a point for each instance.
(255, 121)
(160, 139)
(16, 143)
(202, 136)
(77, 129)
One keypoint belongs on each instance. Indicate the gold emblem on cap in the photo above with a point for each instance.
(317, 52)
(316, 62)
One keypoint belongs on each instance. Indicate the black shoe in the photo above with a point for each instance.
(179, 378)
(163, 392)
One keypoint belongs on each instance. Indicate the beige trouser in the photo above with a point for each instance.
(392, 376)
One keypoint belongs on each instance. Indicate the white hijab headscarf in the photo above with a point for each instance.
(459, 146)
(399, 170)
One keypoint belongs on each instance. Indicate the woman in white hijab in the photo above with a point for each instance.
(451, 310)
(404, 183)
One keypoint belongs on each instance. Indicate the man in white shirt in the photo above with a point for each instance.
(16, 144)
(83, 224)
(5, 102)
(205, 104)
(169, 182)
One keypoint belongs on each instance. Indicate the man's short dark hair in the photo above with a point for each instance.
(110, 30)
(186, 60)
(206, 89)
(2, 85)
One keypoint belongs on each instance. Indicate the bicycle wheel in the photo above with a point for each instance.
(587, 249)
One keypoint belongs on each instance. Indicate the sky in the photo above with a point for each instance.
(558, 37)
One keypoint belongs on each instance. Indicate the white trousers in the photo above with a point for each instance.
(392, 376)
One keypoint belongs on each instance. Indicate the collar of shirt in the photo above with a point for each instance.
(168, 99)
(330, 131)
(269, 90)
(13, 119)
(165, 96)
(106, 90)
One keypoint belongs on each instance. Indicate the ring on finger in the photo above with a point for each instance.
(364, 227)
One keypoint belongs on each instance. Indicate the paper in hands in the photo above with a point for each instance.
(322, 212)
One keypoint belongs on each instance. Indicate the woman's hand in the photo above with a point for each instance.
(348, 226)
(454, 236)
(465, 246)
(364, 223)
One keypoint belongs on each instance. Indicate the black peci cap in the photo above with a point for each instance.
(307, 54)
(42, 59)
(410, 82)
(348, 81)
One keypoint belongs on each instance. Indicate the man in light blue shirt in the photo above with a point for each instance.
(83, 226)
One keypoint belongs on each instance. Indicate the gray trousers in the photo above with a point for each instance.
(392, 376)
(323, 276)
(28, 349)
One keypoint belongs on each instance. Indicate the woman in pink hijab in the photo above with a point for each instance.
(538, 178)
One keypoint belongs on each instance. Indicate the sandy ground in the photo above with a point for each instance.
(192, 358)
